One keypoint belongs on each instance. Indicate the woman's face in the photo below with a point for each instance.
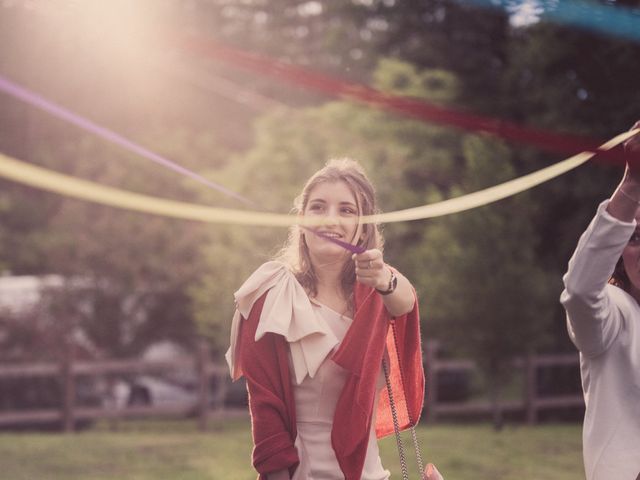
(337, 205)
(631, 261)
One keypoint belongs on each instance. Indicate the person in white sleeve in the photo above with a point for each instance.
(602, 301)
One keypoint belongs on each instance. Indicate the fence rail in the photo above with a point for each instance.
(68, 369)
(530, 403)
(69, 413)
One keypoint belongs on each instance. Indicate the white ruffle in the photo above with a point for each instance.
(287, 311)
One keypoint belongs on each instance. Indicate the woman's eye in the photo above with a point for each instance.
(635, 238)
(315, 207)
(348, 211)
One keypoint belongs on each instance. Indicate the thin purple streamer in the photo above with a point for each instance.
(37, 101)
(345, 245)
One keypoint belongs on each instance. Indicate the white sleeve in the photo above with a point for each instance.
(593, 318)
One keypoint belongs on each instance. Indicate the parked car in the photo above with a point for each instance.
(159, 391)
(156, 390)
(179, 388)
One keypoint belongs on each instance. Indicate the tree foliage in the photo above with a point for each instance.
(488, 279)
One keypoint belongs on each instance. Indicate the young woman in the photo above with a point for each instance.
(310, 334)
(603, 312)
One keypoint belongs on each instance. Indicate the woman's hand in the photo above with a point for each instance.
(371, 269)
(625, 201)
(373, 272)
(632, 146)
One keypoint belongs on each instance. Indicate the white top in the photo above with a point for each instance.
(604, 324)
(316, 399)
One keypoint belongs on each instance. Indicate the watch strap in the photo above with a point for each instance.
(393, 283)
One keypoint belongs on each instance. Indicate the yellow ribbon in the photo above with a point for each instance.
(49, 180)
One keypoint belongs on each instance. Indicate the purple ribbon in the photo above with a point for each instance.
(37, 101)
(347, 246)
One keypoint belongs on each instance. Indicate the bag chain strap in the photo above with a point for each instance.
(394, 415)
(396, 426)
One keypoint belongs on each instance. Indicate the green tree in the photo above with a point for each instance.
(486, 296)
(131, 272)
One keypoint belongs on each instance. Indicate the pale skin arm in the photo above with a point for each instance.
(372, 271)
(624, 206)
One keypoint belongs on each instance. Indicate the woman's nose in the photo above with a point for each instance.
(333, 216)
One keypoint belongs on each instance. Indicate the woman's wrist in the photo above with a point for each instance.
(630, 184)
(625, 201)
(629, 188)
(632, 197)
(386, 282)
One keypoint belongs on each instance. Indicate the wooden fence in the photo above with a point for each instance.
(68, 369)
(530, 403)
(69, 413)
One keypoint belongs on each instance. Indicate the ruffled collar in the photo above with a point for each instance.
(287, 311)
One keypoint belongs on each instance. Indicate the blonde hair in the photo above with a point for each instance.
(295, 252)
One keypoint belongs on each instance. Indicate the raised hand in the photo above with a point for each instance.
(371, 269)
(625, 201)
(632, 146)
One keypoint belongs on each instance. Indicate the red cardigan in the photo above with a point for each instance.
(273, 417)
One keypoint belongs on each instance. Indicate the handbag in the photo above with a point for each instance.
(428, 473)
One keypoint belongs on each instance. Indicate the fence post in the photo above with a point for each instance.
(530, 388)
(431, 377)
(221, 384)
(202, 363)
(111, 404)
(68, 385)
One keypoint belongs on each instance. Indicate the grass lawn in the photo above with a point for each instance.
(175, 450)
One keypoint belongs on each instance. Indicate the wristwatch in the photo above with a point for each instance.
(393, 283)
